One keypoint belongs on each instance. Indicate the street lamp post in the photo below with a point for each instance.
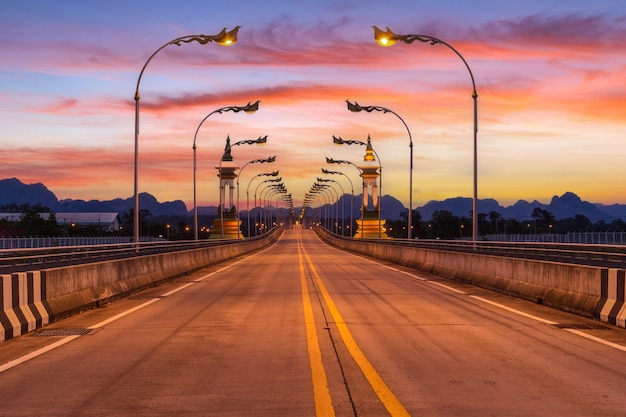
(265, 174)
(275, 180)
(325, 190)
(389, 38)
(280, 195)
(255, 161)
(223, 38)
(325, 171)
(248, 108)
(328, 188)
(342, 201)
(341, 161)
(355, 107)
(314, 197)
(317, 189)
(272, 189)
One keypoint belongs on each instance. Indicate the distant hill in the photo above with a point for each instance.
(13, 190)
(567, 205)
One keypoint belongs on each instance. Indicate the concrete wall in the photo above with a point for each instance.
(585, 290)
(30, 300)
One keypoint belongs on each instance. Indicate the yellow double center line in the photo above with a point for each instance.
(321, 393)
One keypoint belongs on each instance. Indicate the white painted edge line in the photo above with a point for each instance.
(18, 361)
(596, 339)
(67, 339)
(512, 310)
(122, 314)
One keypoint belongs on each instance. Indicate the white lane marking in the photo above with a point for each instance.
(67, 339)
(18, 361)
(122, 314)
(447, 287)
(512, 310)
(596, 339)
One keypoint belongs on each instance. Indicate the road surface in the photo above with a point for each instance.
(302, 329)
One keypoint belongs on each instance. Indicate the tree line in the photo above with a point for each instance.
(28, 221)
(443, 225)
(446, 225)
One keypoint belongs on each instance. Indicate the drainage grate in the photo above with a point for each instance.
(63, 332)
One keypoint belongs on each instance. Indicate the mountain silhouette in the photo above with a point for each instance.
(13, 191)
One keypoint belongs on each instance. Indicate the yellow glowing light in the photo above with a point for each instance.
(387, 38)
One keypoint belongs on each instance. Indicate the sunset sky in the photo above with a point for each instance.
(550, 77)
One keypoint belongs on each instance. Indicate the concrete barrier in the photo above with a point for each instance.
(588, 291)
(612, 308)
(22, 298)
(30, 300)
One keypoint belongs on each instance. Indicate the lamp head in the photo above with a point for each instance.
(227, 38)
(261, 140)
(337, 140)
(251, 107)
(387, 38)
(271, 159)
(354, 107)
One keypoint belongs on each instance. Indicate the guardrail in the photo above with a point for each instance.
(20, 260)
(609, 256)
(30, 242)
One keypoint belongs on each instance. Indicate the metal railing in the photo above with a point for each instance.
(28, 259)
(588, 238)
(28, 242)
(608, 256)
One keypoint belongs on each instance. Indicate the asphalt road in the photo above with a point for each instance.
(302, 329)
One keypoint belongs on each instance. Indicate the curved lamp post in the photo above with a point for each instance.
(275, 180)
(248, 108)
(325, 171)
(223, 38)
(311, 198)
(389, 38)
(343, 204)
(255, 161)
(324, 189)
(279, 195)
(317, 189)
(342, 161)
(271, 190)
(264, 174)
(355, 107)
(339, 141)
(328, 188)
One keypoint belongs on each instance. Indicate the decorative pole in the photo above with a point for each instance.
(389, 38)
(223, 38)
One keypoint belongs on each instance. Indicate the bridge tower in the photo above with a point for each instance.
(370, 226)
(226, 224)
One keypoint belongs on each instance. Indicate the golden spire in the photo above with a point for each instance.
(369, 151)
